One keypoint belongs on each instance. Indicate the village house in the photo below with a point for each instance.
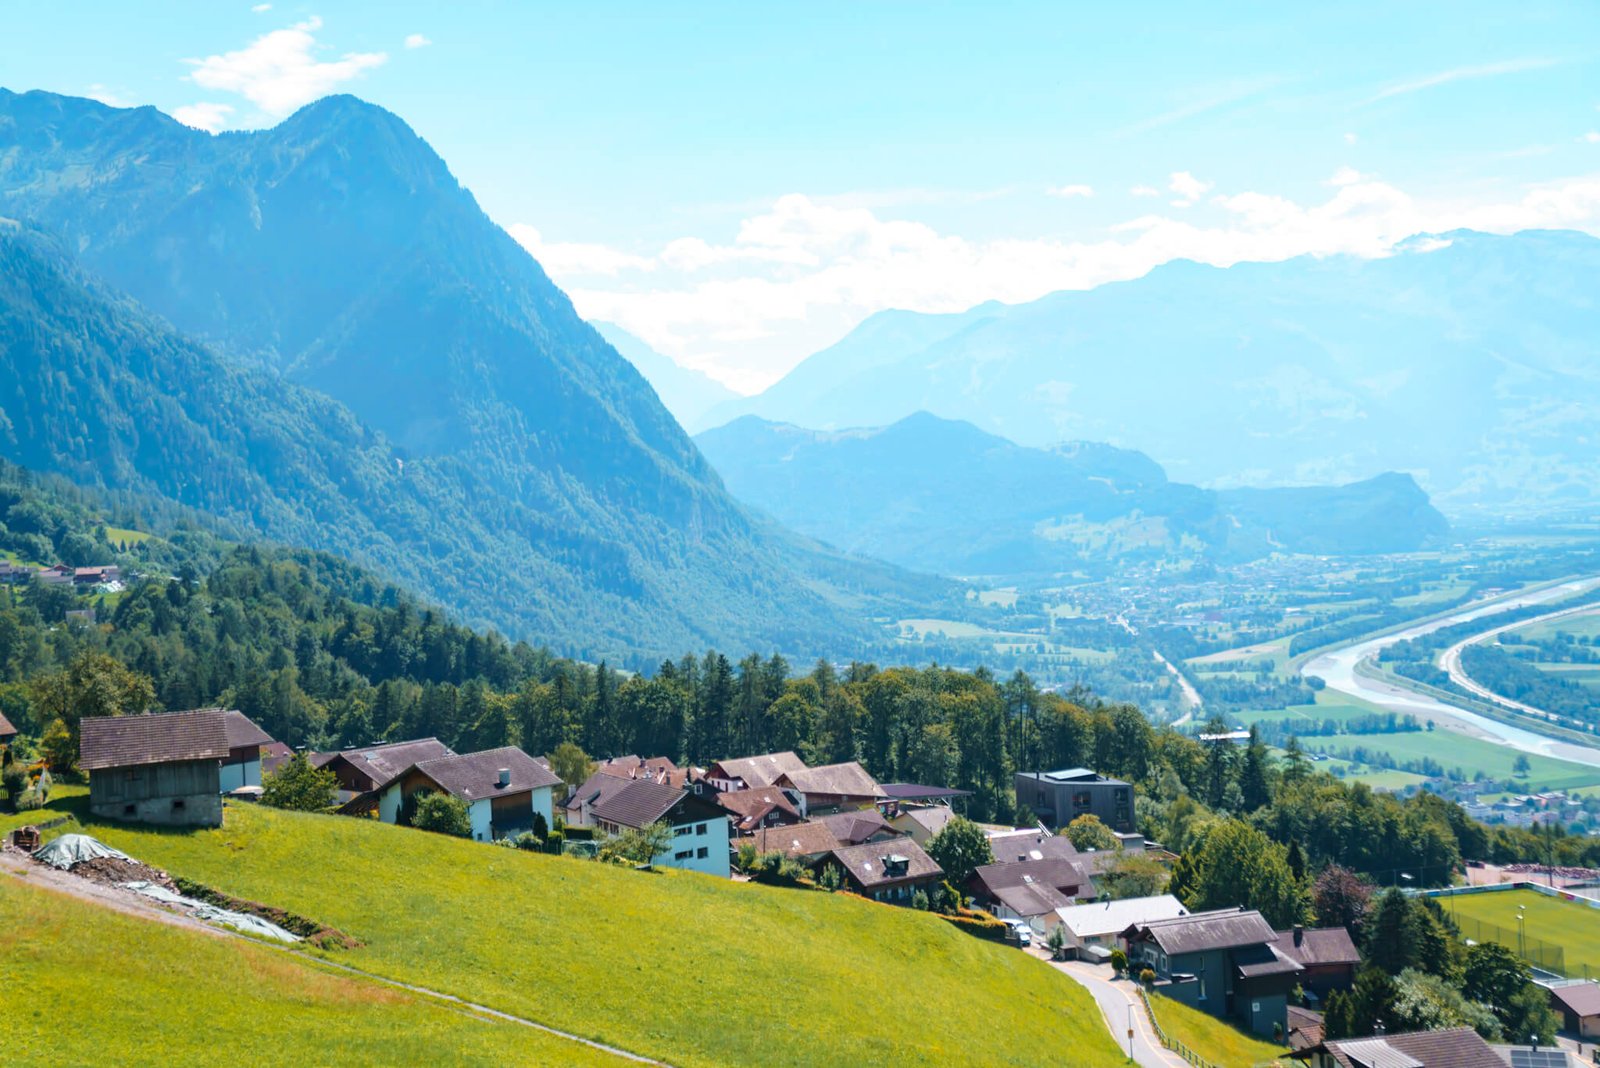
(832, 788)
(808, 843)
(747, 773)
(1578, 1005)
(576, 809)
(922, 822)
(1091, 931)
(859, 825)
(56, 575)
(95, 576)
(10, 572)
(891, 872)
(751, 810)
(699, 828)
(8, 733)
(245, 744)
(1457, 1047)
(1223, 962)
(1029, 890)
(655, 769)
(362, 772)
(1059, 797)
(163, 768)
(504, 789)
(1306, 1027)
(1327, 955)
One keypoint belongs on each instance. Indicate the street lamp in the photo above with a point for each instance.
(1130, 1030)
(1522, 942)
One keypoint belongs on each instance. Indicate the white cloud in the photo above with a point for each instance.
(799, 274)
(279, 72)
(1593, 137)
(261, 9)
(1188, 188)
(1346, 176)
(203, 116)
(1350, 139)
(577, 258)
(1070, 191)
(1144, 191)
(106, 96)
(416, 40)
(1445, 77)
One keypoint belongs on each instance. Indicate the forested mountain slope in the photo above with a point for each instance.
(481, 443)
(942, 495)
(1467, 359)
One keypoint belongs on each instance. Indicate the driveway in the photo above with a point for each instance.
(1116, 998)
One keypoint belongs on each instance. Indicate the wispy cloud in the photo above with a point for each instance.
(107, 97)
(1144, 191)
(1070, 191)
(279, 71)
(261, 9)
(207, 116)
(1462, 74)
(1187, 188)
(416, 40)
(1203, 101)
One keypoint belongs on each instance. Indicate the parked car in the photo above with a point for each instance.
(1020, 933)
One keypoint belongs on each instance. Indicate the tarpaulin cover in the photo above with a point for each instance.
(241, 921)
(71, 849)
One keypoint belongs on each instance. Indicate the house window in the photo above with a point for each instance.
(128, 810)
(679, 832)
(700, 829)
(1080, 799)
(177, 805)
(701, 853)
(683, 854)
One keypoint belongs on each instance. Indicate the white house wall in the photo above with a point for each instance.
(482, 826)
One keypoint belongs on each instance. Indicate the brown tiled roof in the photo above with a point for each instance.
(1061, 875)
(1318, 945)
(598, 785)
(474, 776)
(131, 741)
(243, 732)
(749, 806)
(1305, 1027)
(1459, 1047)
(757, 771)
(384, 763)
(1202, 931)
(6, 729)
(1032, 899)
(798, 840)
(853, 828)
(866, 862)
(931, 819)
(1031, 845)
(1580, 999)
(849, 779)
(636, 803)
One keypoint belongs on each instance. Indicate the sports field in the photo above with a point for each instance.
(1574, 927)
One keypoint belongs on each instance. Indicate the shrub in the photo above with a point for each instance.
(299, 787)
(919, 901)
(442, 814)
(977, 924)
(1119, 961)
(1148, 978)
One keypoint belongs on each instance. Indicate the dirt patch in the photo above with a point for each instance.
(112, 871)
(317, 934)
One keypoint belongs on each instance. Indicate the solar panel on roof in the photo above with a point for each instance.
(1538, 1058)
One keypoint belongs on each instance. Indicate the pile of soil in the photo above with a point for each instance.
(111, 871)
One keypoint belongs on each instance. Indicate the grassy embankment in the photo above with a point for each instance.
(687, 968)
(1216, 1040)
(98, 987)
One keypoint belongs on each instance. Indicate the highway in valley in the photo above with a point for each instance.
(1337, 668)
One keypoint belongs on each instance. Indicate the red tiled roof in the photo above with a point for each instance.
(164, 737)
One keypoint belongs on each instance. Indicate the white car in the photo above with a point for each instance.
(1021, 933)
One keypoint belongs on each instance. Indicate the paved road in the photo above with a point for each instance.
(1338, 669)
(1116, 999)
(1450, 660)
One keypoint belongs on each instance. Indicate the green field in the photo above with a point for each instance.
(1576, 928)
(1215, 1040)
(126, 536)
(92, 986)
(61, 803)
(1581, 626)
(691, 969)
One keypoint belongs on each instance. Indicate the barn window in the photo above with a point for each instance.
(177, 805)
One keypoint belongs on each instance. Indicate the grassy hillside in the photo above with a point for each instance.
(1216, 1040)
(79, 1002)
(687, 968)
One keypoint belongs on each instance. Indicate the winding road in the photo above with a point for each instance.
(1337, 668)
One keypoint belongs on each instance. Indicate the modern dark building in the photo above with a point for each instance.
(1059, 797)
(1225, 962)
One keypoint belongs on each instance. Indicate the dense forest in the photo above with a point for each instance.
(324, 654)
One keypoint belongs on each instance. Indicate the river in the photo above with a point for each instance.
(1338, 669)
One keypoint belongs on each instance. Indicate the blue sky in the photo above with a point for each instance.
(741, 186)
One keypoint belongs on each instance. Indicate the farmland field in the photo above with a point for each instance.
(61, 952)
(524, 932)
(1574, 927)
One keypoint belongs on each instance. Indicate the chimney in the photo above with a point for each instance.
(1299, 934)
(504, 778)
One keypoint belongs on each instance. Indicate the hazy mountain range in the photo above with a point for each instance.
(314, 330)
(942, 495)
(689, 395)
(1467, 359)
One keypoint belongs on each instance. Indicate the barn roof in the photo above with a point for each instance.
(161, 738)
